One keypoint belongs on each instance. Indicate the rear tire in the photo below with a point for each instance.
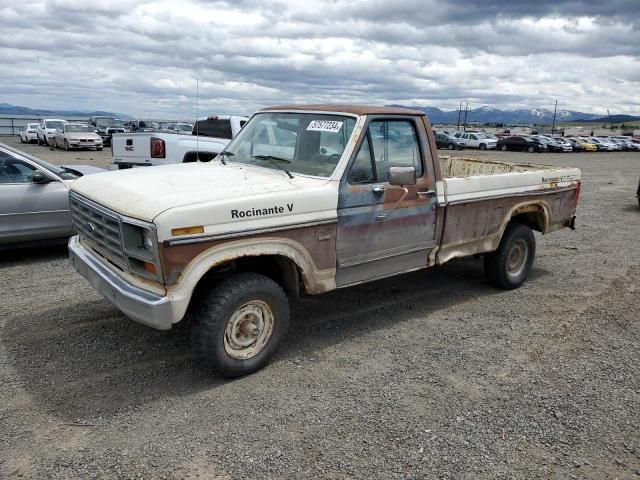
(510, 264)
(237, 325)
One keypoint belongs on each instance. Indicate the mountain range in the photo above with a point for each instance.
(7, 109)
(486, 114)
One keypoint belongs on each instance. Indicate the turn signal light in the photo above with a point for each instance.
(187, 230)
(157, 148)
(151, 268)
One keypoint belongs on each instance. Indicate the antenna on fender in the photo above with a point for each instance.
(197, 116)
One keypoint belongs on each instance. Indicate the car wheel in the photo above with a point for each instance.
(483, 146)
(531, 149)
(66, 145)
(451, 146)
(503, 148)
(99, 149)
(510, 264)
(238, 325)
(22, 139)
(54, 143)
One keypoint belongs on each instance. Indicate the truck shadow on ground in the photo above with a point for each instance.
(85, 360)
(26, 256)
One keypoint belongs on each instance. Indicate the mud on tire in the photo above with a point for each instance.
(238, 324)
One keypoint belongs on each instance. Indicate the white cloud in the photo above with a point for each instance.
(144, 57)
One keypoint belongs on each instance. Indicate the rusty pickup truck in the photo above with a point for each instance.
(306, 199)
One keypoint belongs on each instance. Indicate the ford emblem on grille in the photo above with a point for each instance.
(89, 227)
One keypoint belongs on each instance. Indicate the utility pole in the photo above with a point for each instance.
(459, 114)
(553, 125)
(609, 117)
(466, 112)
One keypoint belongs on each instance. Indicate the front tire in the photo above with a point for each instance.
(451, 146)
(66, 145)
(531, 149)
(54, 143)
(483, 146)
(238, 325)
(503, 148)
(510, 264)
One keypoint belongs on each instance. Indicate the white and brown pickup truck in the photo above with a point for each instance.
(334, 196)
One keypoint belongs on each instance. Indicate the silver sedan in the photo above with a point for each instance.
(34, 198)
(76, 135)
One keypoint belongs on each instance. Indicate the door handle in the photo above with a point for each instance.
(425, 193)
(378, 189)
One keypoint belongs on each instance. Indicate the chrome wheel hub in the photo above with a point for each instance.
(248, 330)
(517, 258)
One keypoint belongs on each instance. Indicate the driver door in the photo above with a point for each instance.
(385, 229)
(28, 210)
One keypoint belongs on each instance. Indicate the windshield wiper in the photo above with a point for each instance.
(225, 154)
(275, 160)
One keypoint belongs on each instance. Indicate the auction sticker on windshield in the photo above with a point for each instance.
(324, 126)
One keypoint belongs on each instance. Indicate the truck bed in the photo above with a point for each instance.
(469, 179)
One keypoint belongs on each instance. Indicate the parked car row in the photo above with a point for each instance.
(547, 143)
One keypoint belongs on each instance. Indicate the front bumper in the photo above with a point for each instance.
(143, 306)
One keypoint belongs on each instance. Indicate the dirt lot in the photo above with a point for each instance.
(428, 375)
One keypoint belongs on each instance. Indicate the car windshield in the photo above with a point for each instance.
(32, 126)
(108, 122)
(304, 143)
(77, 128)
(53, 124)
(185, 127)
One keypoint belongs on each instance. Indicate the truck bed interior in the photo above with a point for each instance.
(466, 167)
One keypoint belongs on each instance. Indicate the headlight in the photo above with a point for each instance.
(147, 240)
(140, 248)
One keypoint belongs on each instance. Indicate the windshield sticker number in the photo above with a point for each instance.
(324, 126)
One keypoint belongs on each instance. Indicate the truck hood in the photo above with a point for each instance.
(144, 193)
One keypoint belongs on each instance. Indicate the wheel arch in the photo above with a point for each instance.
(285, 261)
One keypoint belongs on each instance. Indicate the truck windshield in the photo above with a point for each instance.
(108, 122)
(308, 143)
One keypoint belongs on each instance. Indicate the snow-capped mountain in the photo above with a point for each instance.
(488, 114)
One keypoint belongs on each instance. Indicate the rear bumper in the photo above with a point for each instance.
(143, 306)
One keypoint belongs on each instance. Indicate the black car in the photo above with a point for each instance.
(577, 146)
(551, 144)
(638, 193)
(106, 127)
(521, 144)
(444, 140)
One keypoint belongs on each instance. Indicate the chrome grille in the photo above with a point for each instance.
(99, 227)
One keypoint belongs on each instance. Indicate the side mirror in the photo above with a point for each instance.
(402, 176)
(39, 177)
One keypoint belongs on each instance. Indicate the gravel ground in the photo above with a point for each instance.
(428, 375)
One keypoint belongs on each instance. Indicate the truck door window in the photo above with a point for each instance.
(394, 144)
(362, 168)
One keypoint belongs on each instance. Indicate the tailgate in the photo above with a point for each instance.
(132, 147)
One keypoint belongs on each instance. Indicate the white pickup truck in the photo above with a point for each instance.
(337, 196)
(209, 137)
(476, 140)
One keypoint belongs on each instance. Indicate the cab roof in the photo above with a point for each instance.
(348, 108)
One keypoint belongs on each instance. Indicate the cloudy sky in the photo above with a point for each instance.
(143, 58)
